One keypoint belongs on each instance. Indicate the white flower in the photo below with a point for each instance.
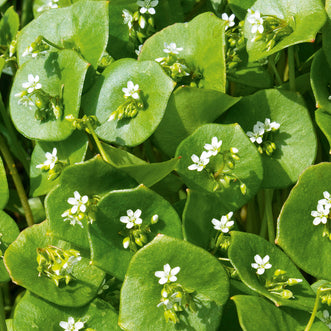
(72, 218)
(131, 90)
(50, 162)
(127, 18)
(32, 84)
(213, 148)
(270, 126)
(171, 49)
(71, 325)
(224, 224)
(261, 264)
(169, 302)
(147, 6)
(257, 134)
(78, 203)
(327, 318)
(255, 19)
(321, 214)
(24, 100)
(199, 163)
(327, 199)
(68, 266)
(132, 218)
(167, 275)
(229, 20)
(137, 51)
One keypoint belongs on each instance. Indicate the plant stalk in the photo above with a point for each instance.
(269, 215)
(3, 326)
(291, 67)
(315, 309)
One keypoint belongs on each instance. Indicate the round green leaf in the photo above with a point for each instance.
(4, 192)
(69, 151)
(202, 41)
(82, 27)
(156, 87)
(327, 32)
(9, 232)
(93, 178)
(187, 109)
(304, 17)
(323, 120)
(248, 169)
(32, 311)
(65, 68)
(21, 262)
(297, 235)
(245, 246)
(141, 291)
(295, 140)
(256, 313)
(9, 25)
(107, 248)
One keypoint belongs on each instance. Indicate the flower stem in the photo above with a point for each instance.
(3, 326)
(98, 143)
(313, 314)
(17, 181)
(269, 215)
(291, 67)
(50, 43)
(274, 69)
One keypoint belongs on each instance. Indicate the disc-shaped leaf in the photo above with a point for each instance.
(297, 235)
(141, 292)
(256, 313)
(8, 233)
(21, 262)
(323, 120)
(69, 151)
(107, 248)
(295, 140)
(9, 25)
(202, 40)
(43, 315)
(247, 170)
(93, 178)
(242, 252)
(305, 19)
(327, 32)
(64, 69)
(82, 27)
(4, 192)
(187, 109)
(107, 95)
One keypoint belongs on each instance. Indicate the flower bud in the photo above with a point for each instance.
(243, 188)
(126, 242)
(293, 281)
(154, 219)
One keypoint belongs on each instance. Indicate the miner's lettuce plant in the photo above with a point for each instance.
(164, 165)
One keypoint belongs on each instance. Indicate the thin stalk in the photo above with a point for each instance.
(291, 68)
(275, 71)
(3, 326)
(26, 15)
(17, 181)
(50, 43)
(264, 227)
(315, 309)
(98, 142)
(269, 215)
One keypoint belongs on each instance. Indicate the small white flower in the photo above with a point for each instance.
(168, 275)
(229, 20)
(256, 21)
(131, 90)
(261, 264)
(32, 84)
(137, 51)
(234, 150)
(327, 199)
(68, 266)
(199, 162)
(169, 302)
(50, 162)
(127, 18)
(147, 6)
(171, 49)
(78, 203)
(327, 318)
(132, 218)
(321, 214)
(71, 325)
(215, 146)
(72, 218)
(257, 134)
(270, 126)
(24, 100)
(27, 51)
(224, 224)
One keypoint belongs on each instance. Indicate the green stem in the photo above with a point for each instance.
(98, 142)
(17, 181)
(315, 309)
(269, 215)
(264, 227)
(274, 69)
(3, 326)
(26, 15)
(291, 67)
(50, 43)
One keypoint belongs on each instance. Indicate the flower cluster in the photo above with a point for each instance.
(37, 48)
(262, 136)
(57, 263)
(35, 98)
(279, 281)
(135, 234)
(52, 165)
(141, 22)
(81, 209)
(173, 295)
(132, 105)
(71, 325)
(322, 214)
(222, 240)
